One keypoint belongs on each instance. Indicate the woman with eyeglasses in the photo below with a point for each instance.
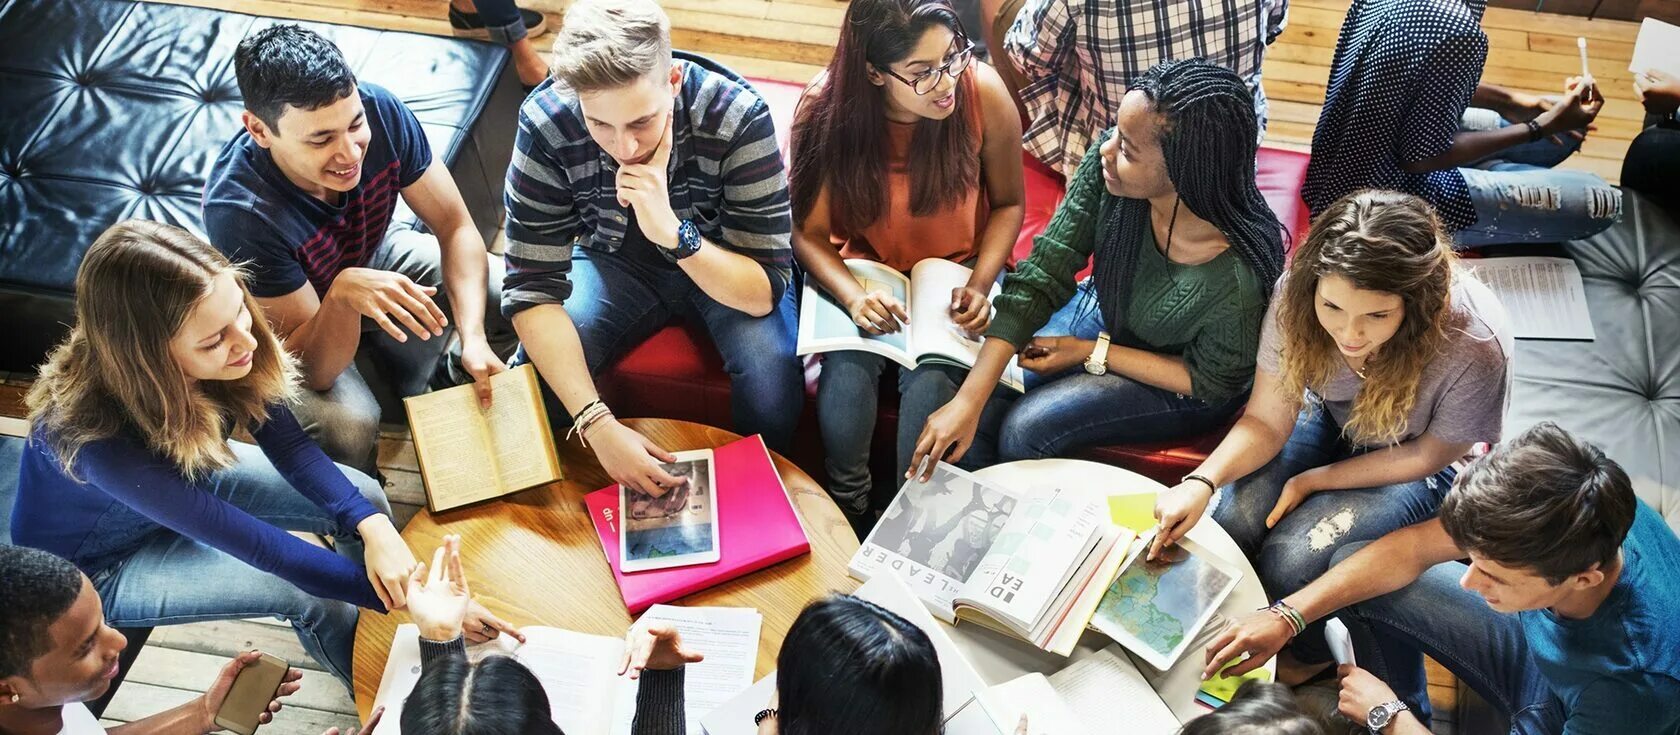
(1159, 342)
(905, 148)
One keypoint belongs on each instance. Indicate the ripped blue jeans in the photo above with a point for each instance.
(1520, 198)
(1298, 550)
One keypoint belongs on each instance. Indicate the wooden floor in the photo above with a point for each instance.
(791, 40)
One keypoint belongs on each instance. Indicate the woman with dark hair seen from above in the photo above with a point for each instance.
(1185, 251)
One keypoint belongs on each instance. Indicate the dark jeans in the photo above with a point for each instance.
(1454, 626)
(1651, 166)
(501, 19)
(1298, 550)
(1074, 409)
(847, 395)
(617, 302)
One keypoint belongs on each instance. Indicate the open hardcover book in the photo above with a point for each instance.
(579, 672)
(468, 453)
(1028, 565)
(931, 335)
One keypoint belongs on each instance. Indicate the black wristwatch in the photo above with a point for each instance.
(688, 242)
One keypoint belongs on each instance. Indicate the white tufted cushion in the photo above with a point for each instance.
(1622, 391)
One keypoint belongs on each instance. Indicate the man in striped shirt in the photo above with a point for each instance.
(642, 190)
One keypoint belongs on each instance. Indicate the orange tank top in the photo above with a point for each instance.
(900, 239)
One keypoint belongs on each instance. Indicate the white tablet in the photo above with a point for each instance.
(1156, 608)
(677, 528)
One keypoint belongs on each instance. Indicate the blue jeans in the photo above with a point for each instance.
(172, 579)
(1520, 198)
(1074, 409)
(344, 419)
(617, 302)
(848, 392)
(1298, 550)
(1454, 626)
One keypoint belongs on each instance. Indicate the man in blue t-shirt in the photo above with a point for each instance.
(304, 195)
(1563, 619)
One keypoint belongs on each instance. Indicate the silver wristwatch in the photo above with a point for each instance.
(1383, 714)
(1097, 363)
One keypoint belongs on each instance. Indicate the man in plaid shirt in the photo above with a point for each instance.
(644, 189)
(1077, 58)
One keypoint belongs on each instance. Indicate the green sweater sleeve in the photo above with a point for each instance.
(1044, 282)
(1220, 358)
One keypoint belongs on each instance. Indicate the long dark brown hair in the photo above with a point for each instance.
(840, 135)
(1380, 241)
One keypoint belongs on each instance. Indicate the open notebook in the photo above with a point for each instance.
(580, 671)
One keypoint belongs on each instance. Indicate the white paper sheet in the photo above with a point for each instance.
(1545, 297)
(1654, 49)
(728, 636)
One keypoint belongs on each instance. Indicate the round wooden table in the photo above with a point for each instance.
(534, 558)
(1179, 684)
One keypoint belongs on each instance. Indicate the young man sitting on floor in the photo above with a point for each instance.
(305, 193)
(1564, 617)
(642, 190)
(56, 652)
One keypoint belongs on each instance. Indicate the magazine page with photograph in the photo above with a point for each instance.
(934, 534)
(934, 335)
(1045, 555)
(1158, 609)
(676, 528)
(826, 326)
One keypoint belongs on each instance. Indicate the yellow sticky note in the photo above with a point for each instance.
(1225, 687)
(1134, 510)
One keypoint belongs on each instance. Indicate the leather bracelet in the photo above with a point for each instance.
(579, 415)
(1535, 133)
(1291, 617)
(1212, 488)
(767, 712)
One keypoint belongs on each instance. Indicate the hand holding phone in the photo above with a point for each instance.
(1341, 642)
(248, 691)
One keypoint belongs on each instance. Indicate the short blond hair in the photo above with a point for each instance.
(606, 44)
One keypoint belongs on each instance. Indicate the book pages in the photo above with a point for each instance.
(469, 453)
(727, 636)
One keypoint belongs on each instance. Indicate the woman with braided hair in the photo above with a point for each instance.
(1185, 251)
(1381, 364)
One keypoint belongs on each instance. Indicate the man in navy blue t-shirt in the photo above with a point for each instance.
(304, 195)
(1563, 618)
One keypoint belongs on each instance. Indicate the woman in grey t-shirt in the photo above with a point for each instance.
(1381, 364)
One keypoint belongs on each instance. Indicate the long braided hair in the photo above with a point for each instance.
(1208, 135)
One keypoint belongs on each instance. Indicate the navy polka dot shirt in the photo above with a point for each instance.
(1400, 81)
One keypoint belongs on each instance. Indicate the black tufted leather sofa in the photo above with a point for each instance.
(111, 109)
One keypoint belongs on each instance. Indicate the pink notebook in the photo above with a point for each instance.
(756, 528)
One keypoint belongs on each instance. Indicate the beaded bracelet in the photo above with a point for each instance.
(1290, 616)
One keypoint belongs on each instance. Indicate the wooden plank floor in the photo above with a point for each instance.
(791, 40)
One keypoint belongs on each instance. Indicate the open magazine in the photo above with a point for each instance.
(931, 335)
(1157, 609)
(1028, 565)
(579, 672)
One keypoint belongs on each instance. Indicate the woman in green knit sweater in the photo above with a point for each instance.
(1185, 253)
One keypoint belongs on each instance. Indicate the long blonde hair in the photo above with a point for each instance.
(1380, 241)
(136, 287)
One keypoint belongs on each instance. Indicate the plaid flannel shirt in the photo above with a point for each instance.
(725, 176)
(1078, 59)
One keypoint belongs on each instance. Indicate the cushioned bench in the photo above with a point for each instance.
(111, 109)
(678, 374)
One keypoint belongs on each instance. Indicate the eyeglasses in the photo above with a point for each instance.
(924, 82)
